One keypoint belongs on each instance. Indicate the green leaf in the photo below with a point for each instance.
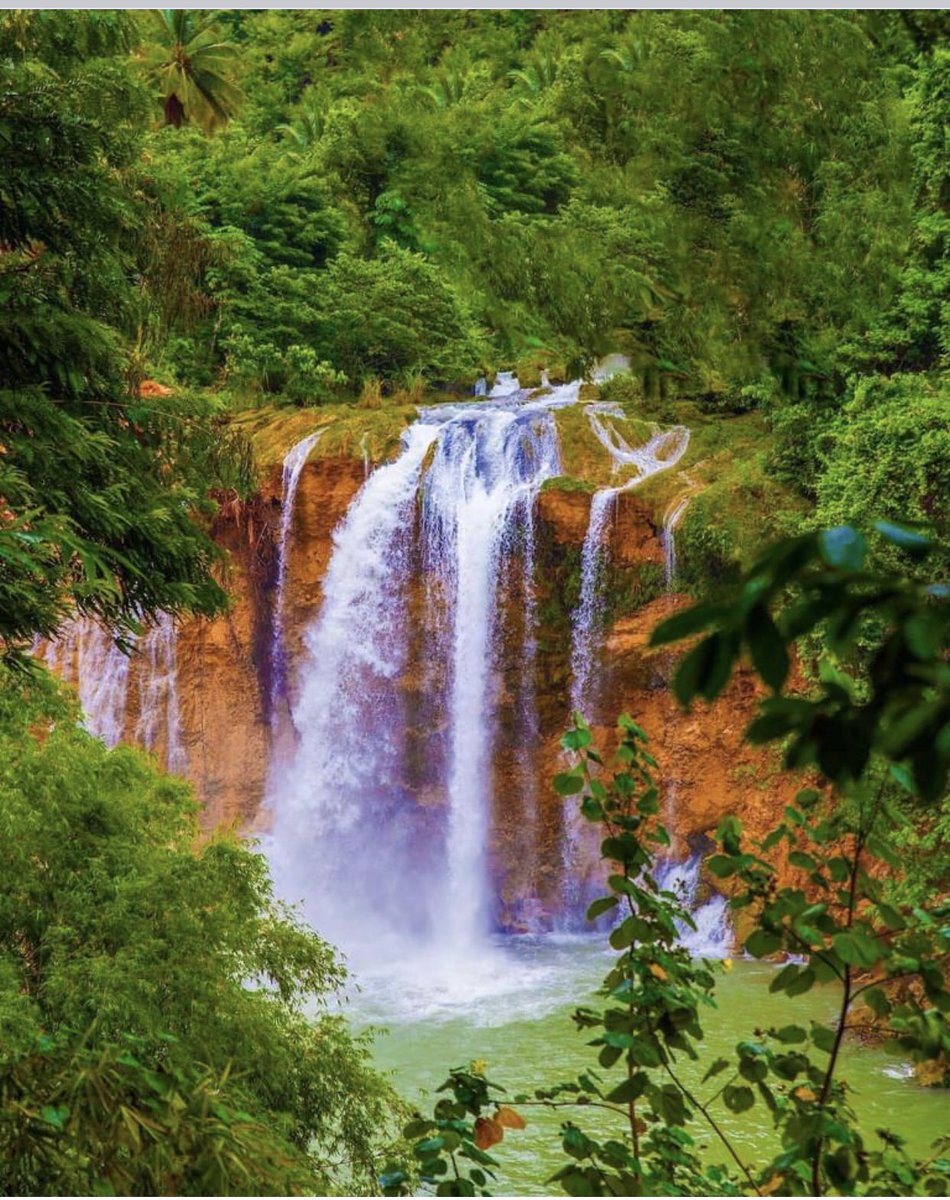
(55, 1115)
(722, 865)
(843, 547)
(569, 783)
(418, 1127)
(761, 942)
(876, 1000)
(717, 1067)
(911, 540)
(857, 949)
(686, 622)
(705, 669)
(803, 982)
(428, 1146)
(738, 1098)
(629, 1089)
(767, 647)
(599, 907)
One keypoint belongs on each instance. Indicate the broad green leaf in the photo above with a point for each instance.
(766, 646)
(843, 547)
(738, 1098)
(686, 622)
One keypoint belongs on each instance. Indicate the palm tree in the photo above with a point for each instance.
(305, 130)
(539, 73)
(192, 69)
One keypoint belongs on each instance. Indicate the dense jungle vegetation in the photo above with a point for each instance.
(299, 208)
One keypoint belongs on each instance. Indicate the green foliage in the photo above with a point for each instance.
(100, 487)
(191, 69)
(731, 240)
(887, 960)
(163, 1018)
(393, 315)
(902, 713)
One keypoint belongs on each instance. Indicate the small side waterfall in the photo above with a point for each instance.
(712, 936)
(294, 463)
(159, 722)
(588, 614)
(86, 655)
(674, 514)
(663, 450)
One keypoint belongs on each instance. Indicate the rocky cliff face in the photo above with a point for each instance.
(233, 739)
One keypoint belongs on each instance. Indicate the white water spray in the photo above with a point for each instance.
(85, 654)
(710, 935)
(588, 615)
(663, 450)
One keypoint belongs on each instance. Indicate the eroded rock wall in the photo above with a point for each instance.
(234, 736)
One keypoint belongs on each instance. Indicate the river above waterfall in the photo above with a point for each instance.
(513, 1011)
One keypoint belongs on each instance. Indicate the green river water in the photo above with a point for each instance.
(511, 1007)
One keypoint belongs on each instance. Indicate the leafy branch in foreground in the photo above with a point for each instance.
(888, 961)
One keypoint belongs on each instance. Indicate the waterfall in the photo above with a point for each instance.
(674, 514)
(588, 614)
(712, 936)
(294, 463)
(608, 366)
(506, 385)
(85, 654)
(377, 861)
(663, 450)
(159, 708)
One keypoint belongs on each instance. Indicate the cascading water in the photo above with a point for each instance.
(588, 614)
(711, 934)
(159, 708)
(85, 654)
(345, 822)
(674, 514)
(294, 463)
(663, 450)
